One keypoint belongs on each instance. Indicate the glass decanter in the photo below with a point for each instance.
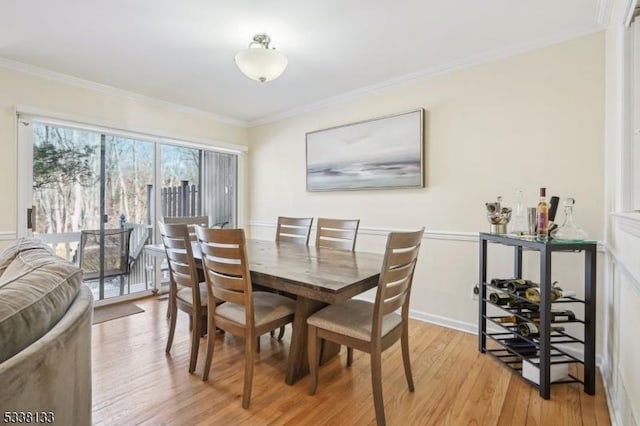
(518, 225)
(568, 230)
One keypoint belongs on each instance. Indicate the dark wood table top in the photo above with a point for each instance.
(323, 274)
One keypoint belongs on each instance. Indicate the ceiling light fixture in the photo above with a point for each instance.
(260, 62)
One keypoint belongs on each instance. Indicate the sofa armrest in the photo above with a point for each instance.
(54, 373)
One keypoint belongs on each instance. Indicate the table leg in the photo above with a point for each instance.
(298, 364)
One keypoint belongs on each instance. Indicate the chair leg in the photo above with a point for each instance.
(280, 335)
(248, 371)
(121, 285)
(211, 336)
(404, 340)
(195, 340)
(313, 353)
(173, 310)
(349, 356)
(258, 344)
(376, 382)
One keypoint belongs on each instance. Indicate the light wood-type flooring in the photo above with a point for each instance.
(134, 382)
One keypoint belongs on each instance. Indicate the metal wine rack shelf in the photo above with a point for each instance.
(546, 345)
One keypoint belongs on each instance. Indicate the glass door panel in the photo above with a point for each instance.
(129, 166)
(91, 195)
(66, 186)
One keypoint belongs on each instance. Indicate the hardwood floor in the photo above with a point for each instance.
(134, 382)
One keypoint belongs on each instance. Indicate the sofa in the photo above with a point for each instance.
(45, 337)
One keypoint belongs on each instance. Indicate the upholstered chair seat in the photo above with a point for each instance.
(267, 307)
(185, 294)
(353, 318)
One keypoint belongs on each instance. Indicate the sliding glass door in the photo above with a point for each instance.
(96, 196)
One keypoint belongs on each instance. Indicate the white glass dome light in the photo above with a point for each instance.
(260, 62)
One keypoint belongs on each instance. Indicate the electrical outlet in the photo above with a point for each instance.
(476, 291)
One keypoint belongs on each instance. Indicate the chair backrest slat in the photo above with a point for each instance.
(337, 233)
(190, 221)
(396, 276)
(182, 267)
(224, 258)
(294, 229)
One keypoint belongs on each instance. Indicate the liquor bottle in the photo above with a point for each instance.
(529, 329)
(543, 216)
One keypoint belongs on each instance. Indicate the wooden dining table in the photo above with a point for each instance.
(316, 277)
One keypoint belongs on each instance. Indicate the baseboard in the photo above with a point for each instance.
(605, 371)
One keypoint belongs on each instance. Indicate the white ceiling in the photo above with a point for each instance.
(181, 51)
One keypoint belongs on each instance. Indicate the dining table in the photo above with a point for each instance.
(315, 277)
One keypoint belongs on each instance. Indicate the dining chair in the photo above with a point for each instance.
(337, 233)
(372, 327)
(186, 292)
(245, 313)
(190, 221)
(294, 229)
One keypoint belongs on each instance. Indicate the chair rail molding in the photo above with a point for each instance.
(382, 232)
(8, 235)
(431, 235)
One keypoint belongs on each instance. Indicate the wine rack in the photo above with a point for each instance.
(545, 350)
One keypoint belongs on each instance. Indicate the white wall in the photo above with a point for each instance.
(536, 119)
(92, 105)
(620, 367)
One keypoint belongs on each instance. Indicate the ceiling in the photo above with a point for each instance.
(182, 51)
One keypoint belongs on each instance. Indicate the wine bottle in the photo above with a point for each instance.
(542, 213)
(533, 294)
(557, 293)
(523, 304)
(565, 315)
(529, 329)
(513, 286)
(500, 282)
(499, 298)
(510, 319)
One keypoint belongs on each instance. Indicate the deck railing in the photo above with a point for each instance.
(66, 245)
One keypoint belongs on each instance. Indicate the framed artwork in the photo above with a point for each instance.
(381, 153)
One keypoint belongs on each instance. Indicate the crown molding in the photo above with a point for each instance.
(603, 12)
(433, 72)
(110, 90)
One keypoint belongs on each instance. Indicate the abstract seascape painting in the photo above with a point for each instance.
(380, 153)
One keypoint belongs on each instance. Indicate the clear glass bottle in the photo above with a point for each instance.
(569, 230)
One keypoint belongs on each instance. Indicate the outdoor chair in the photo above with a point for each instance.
(116, 254)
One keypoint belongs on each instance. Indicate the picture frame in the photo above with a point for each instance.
(379, 153)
